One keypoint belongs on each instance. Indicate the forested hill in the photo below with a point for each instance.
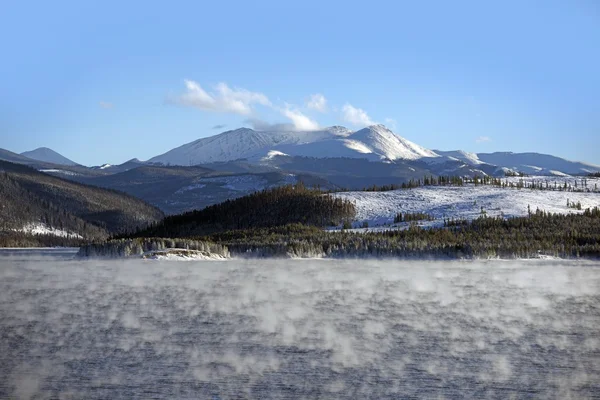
(29, 198)
(268, 208)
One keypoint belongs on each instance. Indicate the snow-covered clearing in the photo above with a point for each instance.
(43, 229)
(59, 171)
(379, 208)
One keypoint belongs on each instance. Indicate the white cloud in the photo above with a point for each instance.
(391, 123)
(223, 99)
(356, 116)
(317, 102)
(106, 105)
(483, 139)
(242, 101)
(301, 122)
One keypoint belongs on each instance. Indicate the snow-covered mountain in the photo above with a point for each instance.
(48, 155)
(375, 143)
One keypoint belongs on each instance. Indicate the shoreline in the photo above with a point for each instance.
(181, 254)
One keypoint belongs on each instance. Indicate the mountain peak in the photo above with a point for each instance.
(385, 142)
(379, 127)
(48, 155)
(240, 130)
(339, 130)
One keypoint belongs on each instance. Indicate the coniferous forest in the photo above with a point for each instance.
(81, 212)
(272, 207)
(540, 234)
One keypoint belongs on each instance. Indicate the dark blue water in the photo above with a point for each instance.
(298, 329)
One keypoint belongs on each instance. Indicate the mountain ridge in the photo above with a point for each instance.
(48, 155)
(375, 142)
(31, 200)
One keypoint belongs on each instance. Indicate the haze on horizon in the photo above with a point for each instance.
(108, 82)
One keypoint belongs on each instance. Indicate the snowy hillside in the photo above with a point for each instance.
(236, 144)
(48, 155)
(375, 143)
(528, 163)
(383, 141)
(379, 208)
(537, 164)
(460, 155)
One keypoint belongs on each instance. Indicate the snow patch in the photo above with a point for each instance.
(43, 229)
(191, 187)
(59, 171)
(274, 153)
(357, 146)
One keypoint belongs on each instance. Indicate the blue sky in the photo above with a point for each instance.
(108, 81)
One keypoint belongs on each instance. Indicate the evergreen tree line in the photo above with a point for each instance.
(118, 248)
(541, 233)
(574, 205)
(581, 185)
(270, 207)
(410, 217)
(22, 239)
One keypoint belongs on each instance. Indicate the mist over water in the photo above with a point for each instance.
(298, 329)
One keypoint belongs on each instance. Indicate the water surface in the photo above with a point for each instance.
(297, 329)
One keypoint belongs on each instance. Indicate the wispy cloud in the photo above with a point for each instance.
(356, 116)
(106, 105)
(220, 126)
(260, 125)
(391, 123)
(300, 121)
(483, 139)
(241, 101)
(222, 99)
(317, 102)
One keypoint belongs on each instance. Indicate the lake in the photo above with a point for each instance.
(288, 329)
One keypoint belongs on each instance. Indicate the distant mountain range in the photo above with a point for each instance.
(48, 155)
(375, 143)
(237, 162)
